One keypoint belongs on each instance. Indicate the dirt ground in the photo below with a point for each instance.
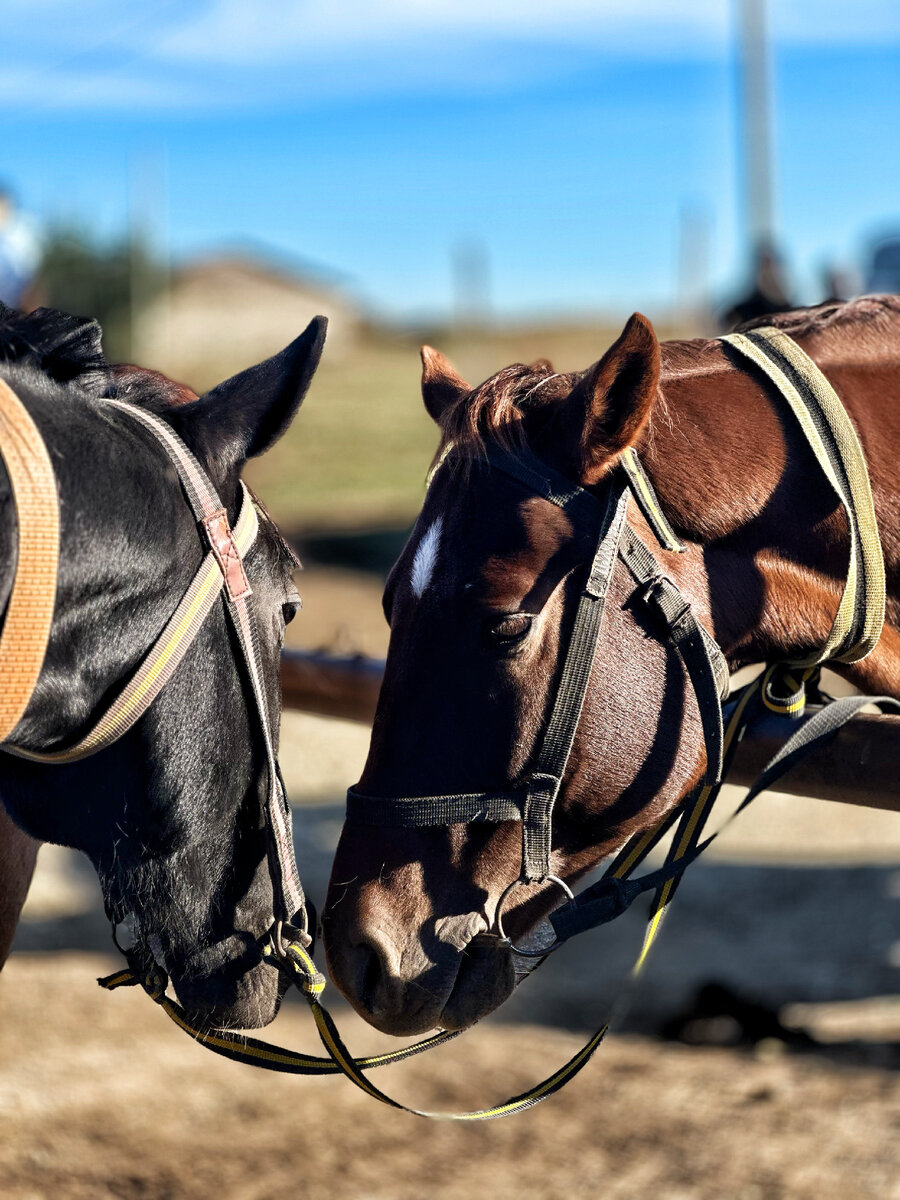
(100, 1096)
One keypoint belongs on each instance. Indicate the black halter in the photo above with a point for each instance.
(533, 800)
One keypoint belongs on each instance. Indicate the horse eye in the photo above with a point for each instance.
(291, 607)
(508, 630)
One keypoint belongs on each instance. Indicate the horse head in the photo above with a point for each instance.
(171, 814)
(480, 606)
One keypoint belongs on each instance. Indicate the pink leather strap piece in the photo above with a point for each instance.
(228, 556)
(29, 613)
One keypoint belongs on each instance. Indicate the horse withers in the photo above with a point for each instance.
(172, 813)
(481, 606)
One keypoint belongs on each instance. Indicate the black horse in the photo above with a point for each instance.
(171, 814)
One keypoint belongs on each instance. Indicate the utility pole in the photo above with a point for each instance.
(756, 94)
(694, 256)
(471, 284)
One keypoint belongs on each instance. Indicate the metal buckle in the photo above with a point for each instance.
(498, 916)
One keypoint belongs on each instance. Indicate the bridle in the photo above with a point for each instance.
(781, 688)
(532, 801)
(221, 573)
(855, 632)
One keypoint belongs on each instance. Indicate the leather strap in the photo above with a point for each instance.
(29, 613)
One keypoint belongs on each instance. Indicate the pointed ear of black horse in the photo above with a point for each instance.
(609, 407)
(246, 414)
(441, 385)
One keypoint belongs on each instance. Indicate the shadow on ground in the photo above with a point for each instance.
(742, 942)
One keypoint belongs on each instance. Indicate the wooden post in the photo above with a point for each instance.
(860, 765)
(331, 685)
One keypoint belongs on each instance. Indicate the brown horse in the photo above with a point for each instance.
(482, 598)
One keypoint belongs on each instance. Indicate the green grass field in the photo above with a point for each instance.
(359, 451)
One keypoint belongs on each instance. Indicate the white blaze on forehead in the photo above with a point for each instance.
(426, 557)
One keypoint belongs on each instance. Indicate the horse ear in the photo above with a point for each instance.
(440, 383)
(246, 414)
(607, 410)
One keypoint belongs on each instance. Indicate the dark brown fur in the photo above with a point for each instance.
(765, 564)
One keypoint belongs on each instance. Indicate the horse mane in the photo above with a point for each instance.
(497, 410)
(67, 349)
(865, 310)
(506, 407)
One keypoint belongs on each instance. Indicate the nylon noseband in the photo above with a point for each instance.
(533, 801)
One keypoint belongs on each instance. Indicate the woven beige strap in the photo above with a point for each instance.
(865, 550)
(160, 663)
(29, 613)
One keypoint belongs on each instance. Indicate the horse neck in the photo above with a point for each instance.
(769, 545)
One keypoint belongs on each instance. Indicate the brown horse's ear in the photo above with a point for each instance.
(441, 385)
(608, 409)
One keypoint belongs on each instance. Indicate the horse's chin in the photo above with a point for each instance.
(486, 978)
(235, 995)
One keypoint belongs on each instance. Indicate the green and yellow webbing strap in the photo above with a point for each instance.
(618, 888)
(693, 819)
(255, 1052)
(808, 737)
(832, 438)
(645, 497)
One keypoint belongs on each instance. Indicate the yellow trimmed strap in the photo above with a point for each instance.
(686, 833)
(240, 1047)
(29, 613)
(865, 545)
(162, 659)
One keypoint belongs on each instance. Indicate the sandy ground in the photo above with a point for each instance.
(101, 1097)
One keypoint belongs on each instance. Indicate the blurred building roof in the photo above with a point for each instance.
(231, 309)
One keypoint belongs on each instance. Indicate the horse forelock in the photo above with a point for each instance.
(499, 410)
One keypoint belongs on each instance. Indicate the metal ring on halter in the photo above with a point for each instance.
(498, 916)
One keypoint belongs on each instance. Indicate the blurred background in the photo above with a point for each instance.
(504, 181)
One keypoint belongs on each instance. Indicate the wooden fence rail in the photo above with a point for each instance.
(860, 765)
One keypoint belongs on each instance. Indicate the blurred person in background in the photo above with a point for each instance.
(883, 274)
(839, 283)
(770, 290)
(20, 252)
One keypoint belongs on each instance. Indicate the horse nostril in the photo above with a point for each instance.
(371, 975)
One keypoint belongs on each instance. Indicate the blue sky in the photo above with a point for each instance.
(372, 137)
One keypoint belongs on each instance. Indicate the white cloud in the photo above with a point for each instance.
(156, 54)
(232, 31)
